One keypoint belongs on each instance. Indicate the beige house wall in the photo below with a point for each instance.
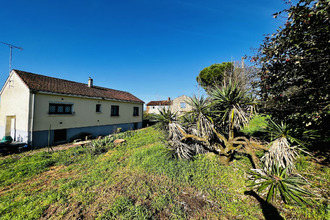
(178, 107)
(84, 112)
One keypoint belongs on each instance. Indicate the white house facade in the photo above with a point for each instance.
(38, 109)
(153, 107)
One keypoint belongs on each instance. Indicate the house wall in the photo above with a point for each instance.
(14, 109)
(40, 138)
(84, 117)
(176, 104)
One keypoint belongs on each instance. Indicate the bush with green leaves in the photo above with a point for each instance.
(257, 125)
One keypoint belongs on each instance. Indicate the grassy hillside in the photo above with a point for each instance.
(141, 180)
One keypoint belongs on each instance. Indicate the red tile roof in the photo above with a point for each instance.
(36, 82)
(164, 102)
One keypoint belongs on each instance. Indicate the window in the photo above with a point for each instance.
(183, 104)
(98, 107)
(136, 111)
(60, 108)
(114, 110)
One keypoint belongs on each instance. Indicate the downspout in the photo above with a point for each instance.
(32, 118)
(142, 115)
(15, 139)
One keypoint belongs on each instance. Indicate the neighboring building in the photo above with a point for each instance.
(35, 107)
(153, 107)
(179, 105)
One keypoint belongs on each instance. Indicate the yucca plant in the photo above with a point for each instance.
(200, 115)
(99, 146)
(164, 118)
(231, 104)
(168, 123)
(278, 181)
(282, 150)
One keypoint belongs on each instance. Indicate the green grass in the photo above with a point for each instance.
(140, 180)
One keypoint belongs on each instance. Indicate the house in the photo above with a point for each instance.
(38, 109)
(153, 107)
(179, 105)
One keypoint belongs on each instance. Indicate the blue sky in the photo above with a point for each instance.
(153, 49)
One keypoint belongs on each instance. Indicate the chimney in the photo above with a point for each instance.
(169, 99)
(90, 82)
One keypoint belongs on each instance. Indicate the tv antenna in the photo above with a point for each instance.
(11, 52)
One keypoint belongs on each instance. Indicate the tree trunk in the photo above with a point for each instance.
(224, 160)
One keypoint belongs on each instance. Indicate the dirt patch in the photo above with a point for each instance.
(66, 211)
(192, 202)
(52, 212)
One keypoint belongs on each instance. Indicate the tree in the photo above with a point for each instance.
(219, 75)
(246, 76)
(294, 77)
(214, 74)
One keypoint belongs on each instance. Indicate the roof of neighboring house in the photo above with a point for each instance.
(164, 102)
(36, 82)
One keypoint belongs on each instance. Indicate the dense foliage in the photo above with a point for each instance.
(294, 77)
(214, 74)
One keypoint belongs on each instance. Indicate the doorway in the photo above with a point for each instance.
(59, 135)
(11, 126)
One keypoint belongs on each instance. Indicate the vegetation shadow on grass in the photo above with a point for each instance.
(269, 211)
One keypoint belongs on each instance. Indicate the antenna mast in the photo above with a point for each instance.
(10, 52)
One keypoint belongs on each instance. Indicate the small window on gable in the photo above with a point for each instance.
(182, 104)
(98, 107)
(114, 110)
(136, 111)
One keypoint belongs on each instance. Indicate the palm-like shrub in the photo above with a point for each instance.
(230, 109)
(164, 118)
(281, 150)
(168, 123)
(233, 105)
(199, 115)
(278, 181)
